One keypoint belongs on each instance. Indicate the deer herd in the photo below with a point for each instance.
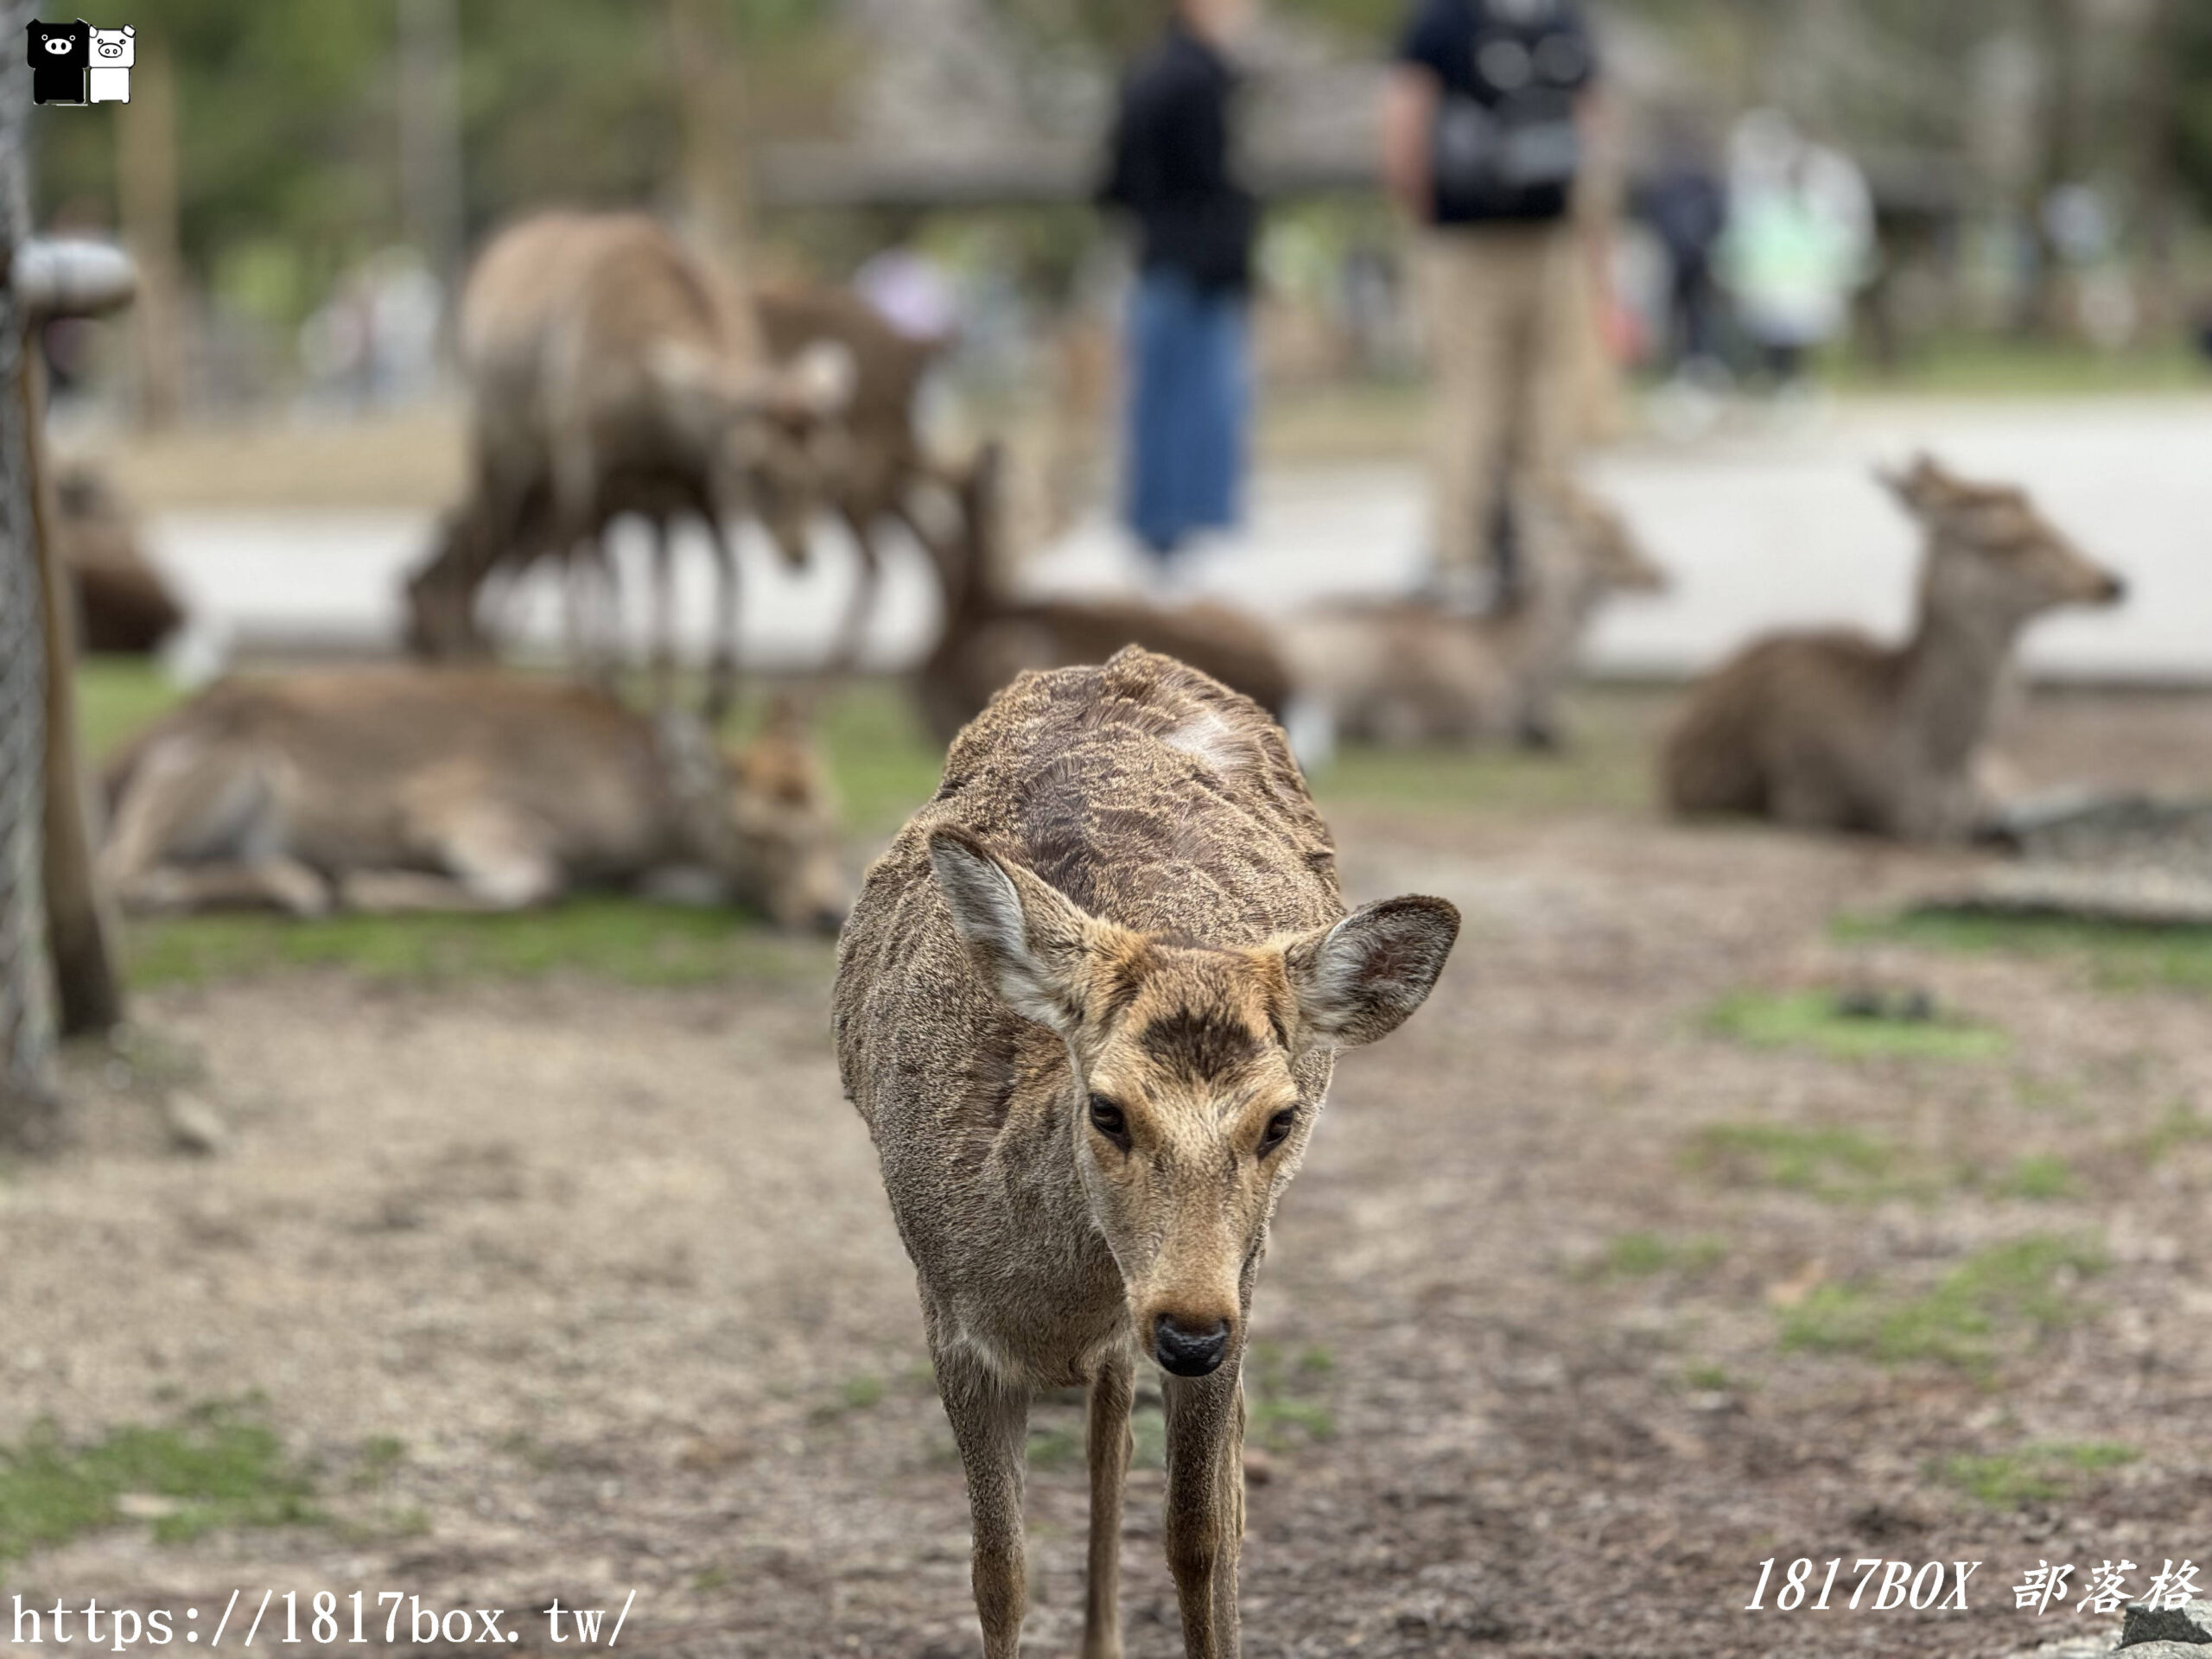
(1088, 1000)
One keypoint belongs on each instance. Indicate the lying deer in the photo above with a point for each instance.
(611, 372)
(1832, 731)
(1088, 1003)
(1401, 672)
(990, 636)
(409, 788)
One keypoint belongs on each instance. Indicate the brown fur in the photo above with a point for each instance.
(1402, 672)
(612, 372)
(1121, 897)
(1834, 731)
(990, 637)
(880, 468)
(123, 604)
(426, 788)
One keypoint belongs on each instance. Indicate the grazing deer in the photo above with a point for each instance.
(990, 637)
(413, 788)
(611, 372)
(1834, 731)
(1088, 1003)
(1401, 672)
(880, 468)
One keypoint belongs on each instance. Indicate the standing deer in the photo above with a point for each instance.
(1088, 1002)
(1834, 731)
(991, 636)
(611, 372)
(881, 468)
(1401, 672)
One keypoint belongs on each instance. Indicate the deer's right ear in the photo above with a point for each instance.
(1025, 934)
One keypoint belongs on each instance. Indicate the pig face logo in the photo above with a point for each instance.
(114, 48)
(57, 47)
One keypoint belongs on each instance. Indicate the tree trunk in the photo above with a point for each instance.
(146, 189)
(710, 97)
(2157, 116)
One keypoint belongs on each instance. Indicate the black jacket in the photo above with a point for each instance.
(1170, 165)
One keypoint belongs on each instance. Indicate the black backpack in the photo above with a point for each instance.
(1513, 143)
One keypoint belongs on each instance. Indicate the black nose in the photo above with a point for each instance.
(1185, 1352)
(2115, 590)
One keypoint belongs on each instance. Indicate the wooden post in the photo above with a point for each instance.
(89, 990)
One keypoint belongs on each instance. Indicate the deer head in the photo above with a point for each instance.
(763, 815)
(1991, 553)
(1197, 1072)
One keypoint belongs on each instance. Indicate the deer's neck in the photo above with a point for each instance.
(1954, 671)
(1546, 626)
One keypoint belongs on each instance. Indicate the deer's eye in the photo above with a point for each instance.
(1110, 1120)
(1278, 1129)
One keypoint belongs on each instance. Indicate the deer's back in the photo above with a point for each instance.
(563, 314)
(1795, 695)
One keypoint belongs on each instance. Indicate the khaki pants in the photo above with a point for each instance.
(1503, 302)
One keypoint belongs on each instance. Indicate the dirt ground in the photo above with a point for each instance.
(1588, 1301)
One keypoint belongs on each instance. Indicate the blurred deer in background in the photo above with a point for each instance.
(1401, 672)
(882, 471)
(1834, 731)
(990, 637)
(414, 788)
(1089, 1003)
(610, 373)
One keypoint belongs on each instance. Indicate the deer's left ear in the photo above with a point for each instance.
(1360, 979)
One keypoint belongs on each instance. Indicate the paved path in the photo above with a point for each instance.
(1759, 531)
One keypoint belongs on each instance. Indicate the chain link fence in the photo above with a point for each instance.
(26, 1024)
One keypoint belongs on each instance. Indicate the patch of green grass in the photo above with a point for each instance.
(2040, 1176)
(630, 941)
(1994, 1299)
(1644, 1256)
(1282, 1392)
(1149, 1424)
(1985, 365)
(1604, 764)
(2120, 956)
(862, 1392)
(378, 1457)
(117, 698)
(1708, 1378)
(216, 1468)
(2033, 1474)
(1829, 1162)
(2183, 1125)
(1052, 1446)
(1815, 1020)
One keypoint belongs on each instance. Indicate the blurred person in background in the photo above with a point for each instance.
(1686, 203)
(1188, 331)
(1800, 241)
(1483, 146)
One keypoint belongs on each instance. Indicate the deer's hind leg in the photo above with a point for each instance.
(1206, 1506)
(1109, 1443)
(202, 826)
(990, 1421)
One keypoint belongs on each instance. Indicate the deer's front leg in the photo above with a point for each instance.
(1206, 1506)
(1109, 1445)
(990, 1421)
